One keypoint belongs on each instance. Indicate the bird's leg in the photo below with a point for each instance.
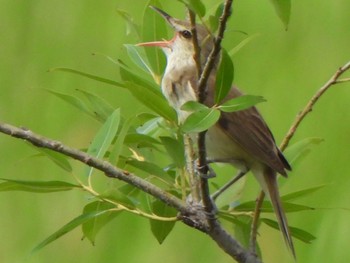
(228, 184)
(210, 174)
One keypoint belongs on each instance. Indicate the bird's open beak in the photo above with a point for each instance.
(164, 43)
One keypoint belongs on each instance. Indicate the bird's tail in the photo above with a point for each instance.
(270, 187)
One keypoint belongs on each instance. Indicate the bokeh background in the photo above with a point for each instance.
(286, 67)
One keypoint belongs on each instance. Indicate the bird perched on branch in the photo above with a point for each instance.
(240, 138)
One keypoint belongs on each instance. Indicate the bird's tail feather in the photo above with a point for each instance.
(270, 188)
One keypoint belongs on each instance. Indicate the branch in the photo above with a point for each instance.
(299, 118)
(308, 108)
(190, 216)
(104, 166)
(202, 86)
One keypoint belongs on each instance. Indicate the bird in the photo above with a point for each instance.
(240, 138)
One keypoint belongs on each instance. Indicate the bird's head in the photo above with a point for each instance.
(182, 42)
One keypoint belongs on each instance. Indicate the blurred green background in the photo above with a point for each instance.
(286, 67)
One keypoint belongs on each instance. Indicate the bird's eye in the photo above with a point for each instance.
(186, 34)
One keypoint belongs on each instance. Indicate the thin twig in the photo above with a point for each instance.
(202, 83)
(197, 48)
(299, 118)
(308, 108)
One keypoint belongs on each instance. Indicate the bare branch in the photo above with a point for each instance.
(308, 108)
(299, 118)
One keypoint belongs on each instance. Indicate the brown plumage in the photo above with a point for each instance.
(240, 138)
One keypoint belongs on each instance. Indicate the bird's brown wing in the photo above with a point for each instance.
(248, 129)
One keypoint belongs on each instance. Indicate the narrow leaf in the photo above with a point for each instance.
(283, 9)
(68, 227)
(76, 102)
(193, 106)
(36, 186)
(90, 76)
(301, 193)
(141, 141)
(244, 42)
(148, 167)
(240, 103)
(138, 56)
(200, 120)
(130, 24)
(57, 158)
(224, 77)
(301, 149)
(104, 137)
(266, 207)
(100, 107)
(214, 19)
(298, 233)
(154, 28)
(92, 227)
(197, 6)
(161, 229)
(175, 149)
(152, 100)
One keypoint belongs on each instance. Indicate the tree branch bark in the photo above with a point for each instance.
(298, 119)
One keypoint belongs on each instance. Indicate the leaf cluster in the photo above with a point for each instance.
(151, 143)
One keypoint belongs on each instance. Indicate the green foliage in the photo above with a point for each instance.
(91, 227)
(82, 219)
(104, 137)
(151, 142)
(161, 229)
(224, 77)
(283, 9)
(36, 186)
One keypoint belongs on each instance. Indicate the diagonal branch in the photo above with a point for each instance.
(189, 215)
(299, 118)
(104, 166)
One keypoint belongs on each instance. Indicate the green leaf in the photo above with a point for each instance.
(197, 6)
(161, 229)
(120, 198)
(301, 193)
(193, 106)
(240, 103)
(266, 207)
(68, 227)
(283, 8)
(214, 19)
(301, 149)
(92, 227)
(101, 109)
(148, 167)
(104, 137)
(90, 76)
(76, 102)
(152, 100)
(36, 186)
(129, 22)
(141, 140)
(57, 158)
(201, 120)
(154, 28)
(224, 77)
(118, 144)
(138, 56)
(244, 42)
(298, 233)
(175, 149)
